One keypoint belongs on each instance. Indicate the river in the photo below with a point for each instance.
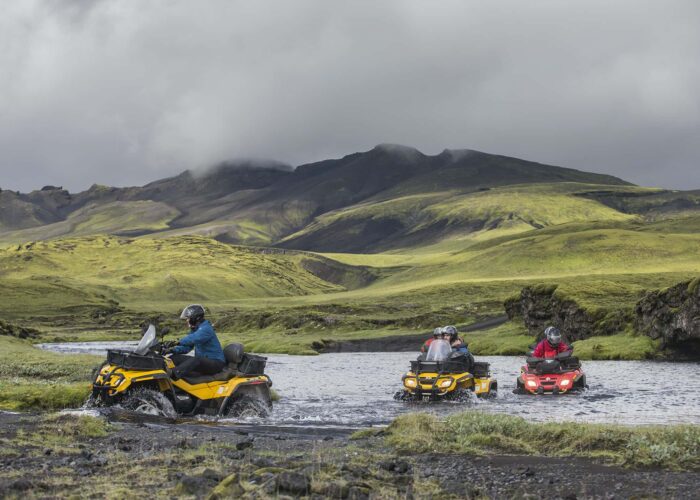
(356, 389)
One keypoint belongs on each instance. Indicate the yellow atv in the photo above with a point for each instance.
(140, 381)
(441, 374)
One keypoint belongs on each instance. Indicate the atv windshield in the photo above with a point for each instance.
(439, 350)
(147, 341)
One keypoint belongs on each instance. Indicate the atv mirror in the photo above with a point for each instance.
(164, 331)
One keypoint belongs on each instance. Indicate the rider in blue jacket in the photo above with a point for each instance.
(208, 356)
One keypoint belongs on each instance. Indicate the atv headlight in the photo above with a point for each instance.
(445, 383)
(410, 382)
(531, 383)
(565, 382)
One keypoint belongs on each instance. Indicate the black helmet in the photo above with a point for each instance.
(553, 335)
(194, 314)
(437, 332)
(451, 331)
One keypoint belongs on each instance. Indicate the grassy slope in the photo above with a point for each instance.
(511, 209)
(116, 217)
(144, 274)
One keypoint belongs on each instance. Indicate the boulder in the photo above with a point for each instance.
(294, 483)
(672, 315)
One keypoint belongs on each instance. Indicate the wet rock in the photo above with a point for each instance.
(387, 465)
(263, 462)
(402, 466)
(294, 482)
(526, 471)
(183, 444)
(21, 485)
(398, 466)
(213, 475)
(195, 485)
(358, 493)
(235, 455)
(244, 445)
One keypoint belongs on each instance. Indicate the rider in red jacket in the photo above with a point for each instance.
(437, 333)
(551, 345)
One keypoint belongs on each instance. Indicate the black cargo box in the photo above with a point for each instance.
(252, 364)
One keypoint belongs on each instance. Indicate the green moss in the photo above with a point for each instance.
(509, 339)
(365, 433)
(668, 447)
(693, 285)
(83, 426)
(617, 347)
(33, 379)
(33, 395)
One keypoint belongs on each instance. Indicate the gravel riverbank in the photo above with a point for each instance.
(57, 456)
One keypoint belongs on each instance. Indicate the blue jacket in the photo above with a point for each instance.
(462, 348)
(205, 343)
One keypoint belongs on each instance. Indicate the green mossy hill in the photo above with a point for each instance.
(412, 220)
(101, 272)
(119, 217)
(668, 447)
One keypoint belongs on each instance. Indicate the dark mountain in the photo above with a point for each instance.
(266, 202)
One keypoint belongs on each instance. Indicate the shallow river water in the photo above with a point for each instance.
(356, 389)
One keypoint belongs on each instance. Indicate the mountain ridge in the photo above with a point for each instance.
(267, 202)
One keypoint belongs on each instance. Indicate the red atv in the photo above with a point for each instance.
(559, 375)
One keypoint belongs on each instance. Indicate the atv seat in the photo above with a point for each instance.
(233, 354)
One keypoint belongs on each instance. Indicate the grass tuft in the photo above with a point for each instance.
(668, 447)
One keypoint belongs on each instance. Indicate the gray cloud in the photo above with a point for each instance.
(123, 93)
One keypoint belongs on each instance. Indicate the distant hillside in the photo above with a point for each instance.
(96, 272)
(393, 193)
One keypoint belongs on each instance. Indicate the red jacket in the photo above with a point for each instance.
(426, 346)
(545, 350)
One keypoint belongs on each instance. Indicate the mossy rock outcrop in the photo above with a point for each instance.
(542, 305)
(672, 315)
(17, 331)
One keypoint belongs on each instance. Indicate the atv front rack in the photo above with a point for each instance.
(132, 361)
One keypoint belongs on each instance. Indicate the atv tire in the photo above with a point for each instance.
(248, 407)
(519, 389)
(149, 402)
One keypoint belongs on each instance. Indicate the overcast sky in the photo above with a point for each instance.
(125, 92)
